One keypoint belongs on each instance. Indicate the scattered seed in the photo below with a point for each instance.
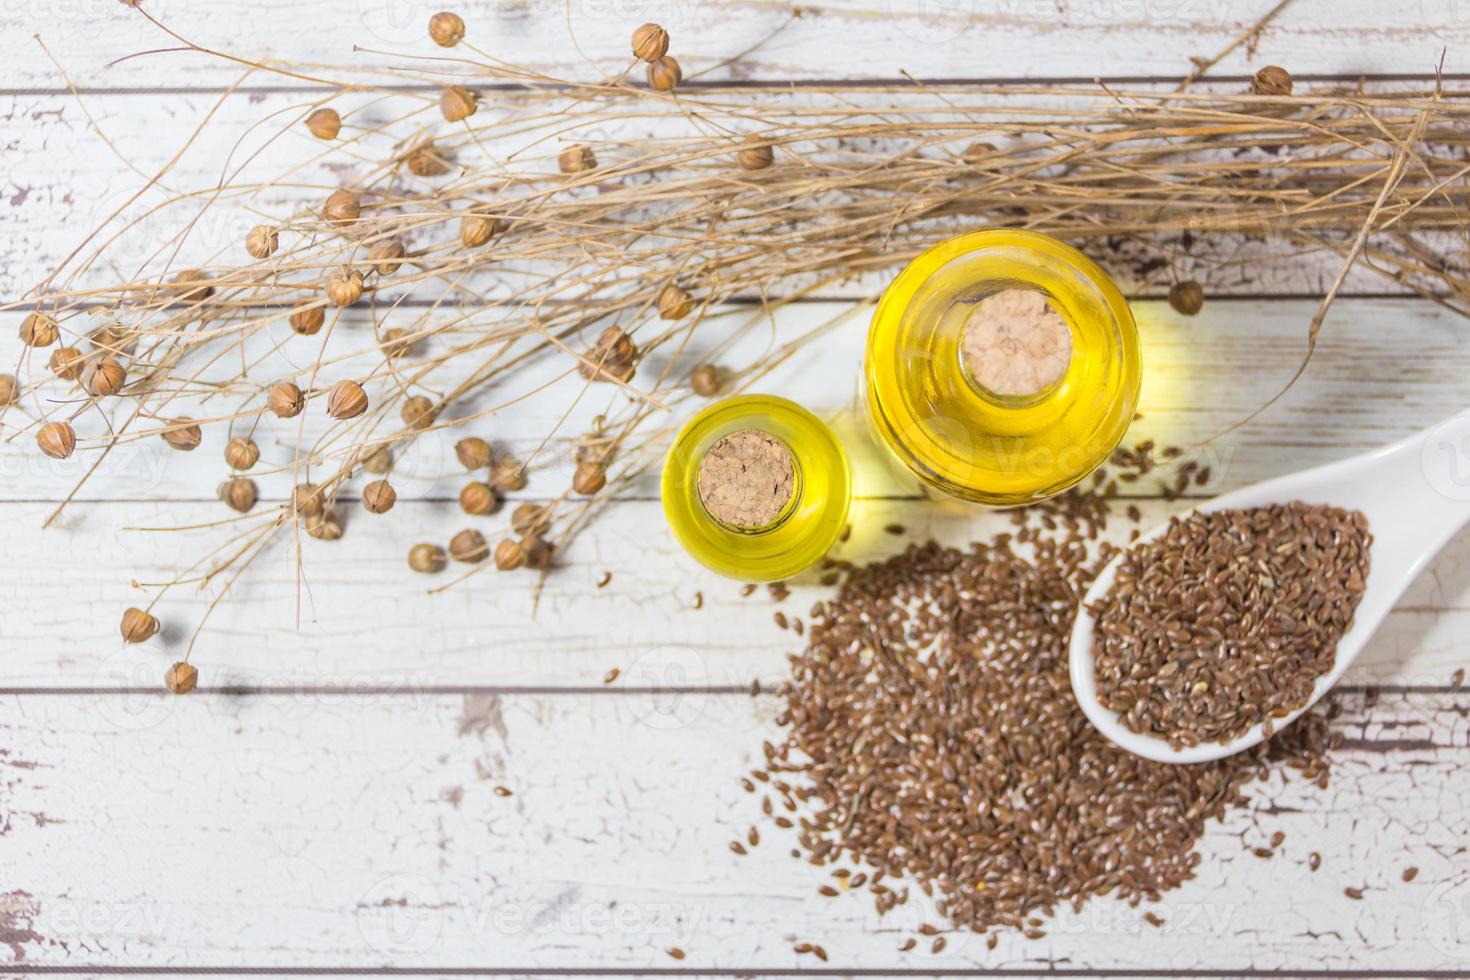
(737, 847)
(914, 748)
(611, 676)
(503, 791)
(1153, 919)
(1314, 861)
(604, 579)
(699, 600)
(1457, 678)
(1354, 893)
(675, 952)
(748, 590)
(1410, 874)
(908, 944)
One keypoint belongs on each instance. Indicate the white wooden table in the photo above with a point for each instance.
(327, 802)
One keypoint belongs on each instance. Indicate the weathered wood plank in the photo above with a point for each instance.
(1383, 369)
(832, 38)
(365, 620)
(367, 831)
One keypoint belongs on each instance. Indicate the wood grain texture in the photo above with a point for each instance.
(364, 831)
(831, 38)
(1382, 370)
(366, 621)
(329, 800)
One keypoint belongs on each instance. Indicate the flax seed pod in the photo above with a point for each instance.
(378, 460)
(183, 435)
(1187, 297)
(576, 159)
(425, 160)
(386, 256)
(57, 439)
(343, 207)
(705, 381)
(530, 519)
(262, 241)
(469, 546)
(344, 287)
(427, 558)
(397, 342)
(507, 476)
(66, 363)
(325, 526)
(509, 555)
(307, 499)
(181, 678)
(589, 478)
(241, 453)
(285, 399)
(192, 286)
(446, 29)
(104, 377)
(476, 230)
(457, 102)
(755, 156)
(137, 625)
(474, 453)
(674, 303)
(664, 75)
(238, 493)
(379, 497)
(347, 400)
(1272, 80)
(650, 42)
(419, 412)
(39, 330)
(324, 123)
(308, 320)
(478, 499)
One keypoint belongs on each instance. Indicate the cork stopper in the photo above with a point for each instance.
(746, 479)
(1016, 344)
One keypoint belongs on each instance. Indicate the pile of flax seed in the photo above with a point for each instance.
(932, 740)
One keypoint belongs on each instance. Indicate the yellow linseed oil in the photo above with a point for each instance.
(757, 488)
(1002, 367)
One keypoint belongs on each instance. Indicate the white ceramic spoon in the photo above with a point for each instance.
(1415, 494)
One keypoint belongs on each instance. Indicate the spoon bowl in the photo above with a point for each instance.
(1415, 494)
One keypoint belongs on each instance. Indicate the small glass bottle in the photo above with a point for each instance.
(1002, 367)
(757, 488)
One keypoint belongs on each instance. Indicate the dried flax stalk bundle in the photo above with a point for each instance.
(505, 234)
